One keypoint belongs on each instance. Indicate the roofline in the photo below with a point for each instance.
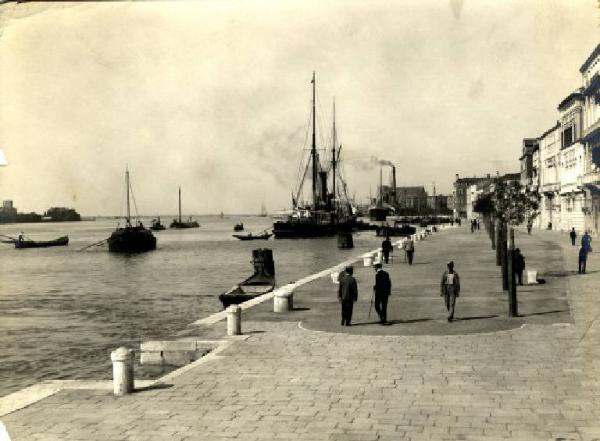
(556, 126)
(574, 96)
(589, 60)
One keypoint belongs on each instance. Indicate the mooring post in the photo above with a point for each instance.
(513, 309)
(234, 320)
(283, 301)
(122, 360)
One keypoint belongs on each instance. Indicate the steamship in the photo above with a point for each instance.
(328, 213)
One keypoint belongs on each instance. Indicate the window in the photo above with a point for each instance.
(567, 136)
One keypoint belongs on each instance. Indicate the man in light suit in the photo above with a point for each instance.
(450, 289)
(347, 294)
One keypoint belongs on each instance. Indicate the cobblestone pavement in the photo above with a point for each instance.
(537, 382)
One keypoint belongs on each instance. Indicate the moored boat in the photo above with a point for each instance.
(261, 282)
(28, 243)
(178, 223)
(157, 225)
(264, 236)
(238, 227)
(131, 238)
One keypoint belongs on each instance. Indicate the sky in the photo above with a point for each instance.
(214, 96)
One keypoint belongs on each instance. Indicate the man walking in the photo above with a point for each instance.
(347, 294)
(586, 247)
(450, 289)
(386, 248)
(409, 249)
(519, 265)
(573, 235)
(383, 289)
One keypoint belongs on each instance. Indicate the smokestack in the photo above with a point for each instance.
(323, 179)
(394, 185)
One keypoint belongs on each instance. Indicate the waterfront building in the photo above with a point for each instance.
(590, 72)
(528, 167)
(571, 163)
(549, 144)
(62, 214)
(8, 213)
(463, 195)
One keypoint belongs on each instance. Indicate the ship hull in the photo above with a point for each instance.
(302, 230)
(131, 240)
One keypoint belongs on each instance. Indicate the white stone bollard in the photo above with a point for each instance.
(335, 278)
(532, 277)
(368, 260)
(122, 360)
(283, 301)
(234, 320)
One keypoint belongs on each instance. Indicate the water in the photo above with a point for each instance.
(63, 310)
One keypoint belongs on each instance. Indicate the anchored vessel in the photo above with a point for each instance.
(259, 283)
(327, 213)
(178, 223)
(157, 225)
(250, 236)
(131, 238)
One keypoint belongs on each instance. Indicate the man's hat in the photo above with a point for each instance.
(451, 263)
(378, 265)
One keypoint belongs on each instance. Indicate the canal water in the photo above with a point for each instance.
(62, 310)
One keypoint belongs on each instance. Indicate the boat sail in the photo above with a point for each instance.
(178, 223)
(327, 214)
(263, 210)
(131, 238)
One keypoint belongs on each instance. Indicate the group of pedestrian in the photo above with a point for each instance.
(382, 290)
(584, 250)
(474, 225)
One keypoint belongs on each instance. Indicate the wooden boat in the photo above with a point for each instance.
(261, 282)
(61, 241)
(399, 229)
(264, 236)
(178, 223)
(238, 227)
(131, 238)
(157, 225)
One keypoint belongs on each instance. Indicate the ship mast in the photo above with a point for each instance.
(179, 204)
(127, 186)
(314, 146)
(333, 161)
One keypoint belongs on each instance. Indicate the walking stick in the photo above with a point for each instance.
(371, 305)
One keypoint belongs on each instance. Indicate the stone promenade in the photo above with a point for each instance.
(301, 376)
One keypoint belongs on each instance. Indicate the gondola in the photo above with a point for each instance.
(261, 282)
(61, 241)
(238, 227)
(264, 236)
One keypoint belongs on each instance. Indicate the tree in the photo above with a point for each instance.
(509, 202)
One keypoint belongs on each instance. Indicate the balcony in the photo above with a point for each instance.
(592, 133)
(591, 178)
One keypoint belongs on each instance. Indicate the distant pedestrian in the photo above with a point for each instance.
(382, 290)
(573, 236)
(386, 248)
(472, 225)
(529, 226)
(519, 265)
(409, 249)
(450, 289)
(477, 223)
(347, 294)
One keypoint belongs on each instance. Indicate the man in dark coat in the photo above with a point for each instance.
(519, 265)
(347, 294)
(573, 236)
(386, 248)
(450, 289)
(383, 289)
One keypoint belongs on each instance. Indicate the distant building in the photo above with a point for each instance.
(8, 213)
(464, 194)
(28, 217)
(528, 168)
(62, 214)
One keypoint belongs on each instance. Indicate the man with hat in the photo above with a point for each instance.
(347, 294)
(450, 289)
(383, 289)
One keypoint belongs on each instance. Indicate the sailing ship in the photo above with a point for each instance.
(131, 238)
(263, 210)
(178, 223)
(327, 214)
